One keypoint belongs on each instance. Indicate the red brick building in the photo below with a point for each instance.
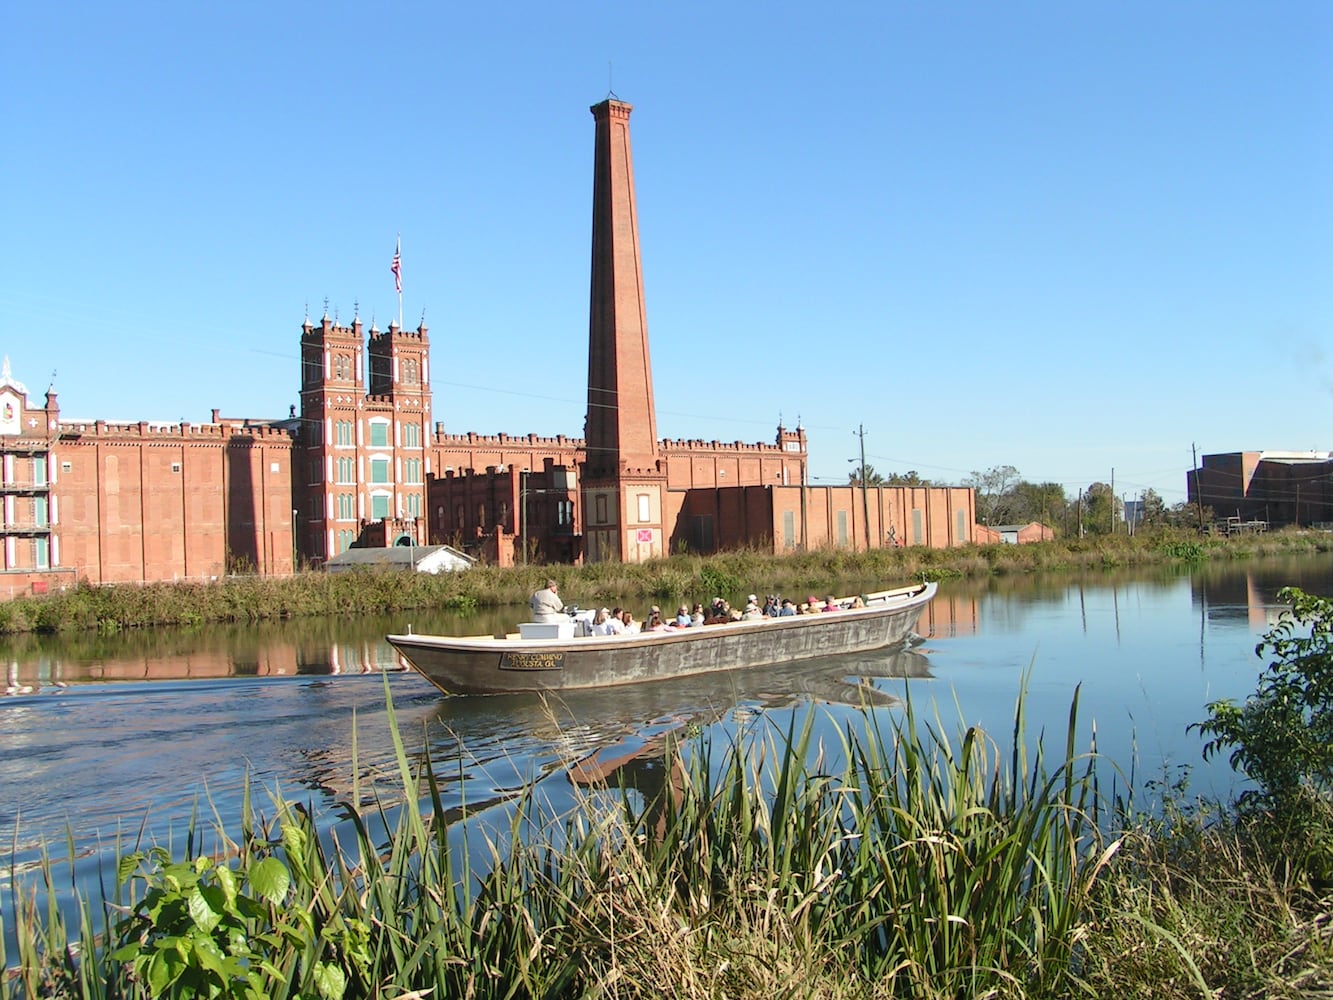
(362, 463)
(1272, 488)
(107, 502)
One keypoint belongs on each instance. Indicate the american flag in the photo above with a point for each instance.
(397, 266)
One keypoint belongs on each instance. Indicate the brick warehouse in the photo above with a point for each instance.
(364, 464)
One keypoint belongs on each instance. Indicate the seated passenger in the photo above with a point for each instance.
(752, 612)
(683, 617)
(832, 604)
(697, 616)
(613, 625)
(788, 609)
(630, 626)
(655, 623)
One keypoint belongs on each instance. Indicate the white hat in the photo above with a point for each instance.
(753, 598)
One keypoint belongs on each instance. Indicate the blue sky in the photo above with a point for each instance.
(1071, 238)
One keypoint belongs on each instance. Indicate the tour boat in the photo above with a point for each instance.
(553, 657)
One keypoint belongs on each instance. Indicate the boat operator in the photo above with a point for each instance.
(546, 604)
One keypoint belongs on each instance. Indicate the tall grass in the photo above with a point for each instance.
(732, 574)
(894, 861)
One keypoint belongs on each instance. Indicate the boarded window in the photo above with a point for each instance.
(379, 435)
(918, 526)
(842, 527)
(788, 529)
(379, 507)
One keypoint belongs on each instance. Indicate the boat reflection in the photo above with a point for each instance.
(485, 750)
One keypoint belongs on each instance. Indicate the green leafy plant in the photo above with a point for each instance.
(206, 929)
(1282, 736)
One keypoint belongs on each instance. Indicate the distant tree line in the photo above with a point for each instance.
(1005, 497)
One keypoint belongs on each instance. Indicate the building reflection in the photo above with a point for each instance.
(1221, 594)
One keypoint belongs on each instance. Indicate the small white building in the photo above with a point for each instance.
(421, 558)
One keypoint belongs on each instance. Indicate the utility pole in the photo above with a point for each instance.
(1198, 487)
(1112, 500)
(865, 491)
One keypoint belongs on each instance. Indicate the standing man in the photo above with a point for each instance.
(546, 604)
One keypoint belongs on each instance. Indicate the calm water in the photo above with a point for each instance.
(128, 736)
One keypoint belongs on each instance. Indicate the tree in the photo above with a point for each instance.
(909, 478)
(1041, 502)
(993, 488)
(1152, 512)
(1101, 510)
(865, 475)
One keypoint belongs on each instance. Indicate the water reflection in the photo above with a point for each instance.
(134, 761)
(136, 731)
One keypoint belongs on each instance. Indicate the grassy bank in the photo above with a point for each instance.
(900, 863)
(666, 581)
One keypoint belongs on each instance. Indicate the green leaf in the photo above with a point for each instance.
(208, 958)
(127, 866)
(227, 883)
(270, 879)
(203, 915)
(294, 842)
(331, 981)
(164, 968)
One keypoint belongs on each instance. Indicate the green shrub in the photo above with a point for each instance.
(1282, 736)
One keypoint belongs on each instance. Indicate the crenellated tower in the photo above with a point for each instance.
(364, 454)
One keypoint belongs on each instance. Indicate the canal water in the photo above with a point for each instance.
(117, 741)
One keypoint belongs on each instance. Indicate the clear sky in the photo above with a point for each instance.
(1068, 237)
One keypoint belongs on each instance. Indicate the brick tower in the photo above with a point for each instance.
(363, 455)
(624, 475)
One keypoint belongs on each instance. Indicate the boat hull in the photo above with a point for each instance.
(483, 665)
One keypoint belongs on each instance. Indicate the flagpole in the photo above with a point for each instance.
(398, 260)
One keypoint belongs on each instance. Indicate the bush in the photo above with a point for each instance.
(1282, 737)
